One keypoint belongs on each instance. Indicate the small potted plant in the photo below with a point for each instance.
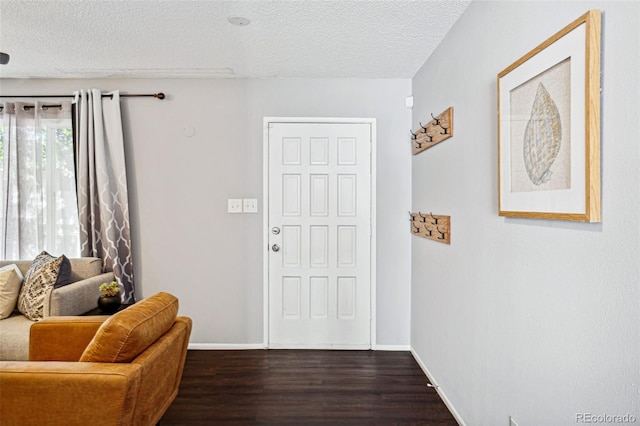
(109, 300)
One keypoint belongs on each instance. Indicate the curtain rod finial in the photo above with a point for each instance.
(159, 96)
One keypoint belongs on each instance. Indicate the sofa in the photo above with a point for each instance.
(73, 299)
(97, 370)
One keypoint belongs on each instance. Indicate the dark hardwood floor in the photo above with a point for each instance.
(305, 387)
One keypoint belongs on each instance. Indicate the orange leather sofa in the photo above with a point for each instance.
(119, 370)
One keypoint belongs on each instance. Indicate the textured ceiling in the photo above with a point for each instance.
(193, 38)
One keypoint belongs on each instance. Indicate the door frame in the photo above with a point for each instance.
(265, 209)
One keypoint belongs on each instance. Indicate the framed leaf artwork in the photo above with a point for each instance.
(549, 127)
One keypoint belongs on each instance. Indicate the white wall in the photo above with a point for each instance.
(536, 319)
(187, 244)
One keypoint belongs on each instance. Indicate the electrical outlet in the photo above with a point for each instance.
(250, 205)
(234, 205)
(512, 422)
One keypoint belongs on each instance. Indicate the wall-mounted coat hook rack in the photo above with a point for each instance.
(436, 131)
(434, 227)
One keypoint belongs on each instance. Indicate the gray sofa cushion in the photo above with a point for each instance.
(14, 337)
(78, 297)
(85, 267)
(81, 268)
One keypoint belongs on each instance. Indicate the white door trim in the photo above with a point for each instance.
(265, 210)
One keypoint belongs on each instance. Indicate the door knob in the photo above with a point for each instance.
(275, 247)
(275, 230)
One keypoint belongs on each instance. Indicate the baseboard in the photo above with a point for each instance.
(321, 347)
(438, 389)
(225, 346)
(402, 348)
(253, 346)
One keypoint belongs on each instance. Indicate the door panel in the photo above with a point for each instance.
(319, 289)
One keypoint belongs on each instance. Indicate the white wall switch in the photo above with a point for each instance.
(408, 101)
(234, 205)
(250, 205)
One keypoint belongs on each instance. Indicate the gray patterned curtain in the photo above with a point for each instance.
(102, 185)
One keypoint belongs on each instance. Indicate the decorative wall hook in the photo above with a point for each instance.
(435, 219)
(434, 132)
(433, 227)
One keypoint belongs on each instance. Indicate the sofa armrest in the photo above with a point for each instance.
(68, 393)
(62, 338)
(75, 298)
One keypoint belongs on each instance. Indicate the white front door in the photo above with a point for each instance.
(319, 227)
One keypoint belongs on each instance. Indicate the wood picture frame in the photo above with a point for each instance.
(549, 127)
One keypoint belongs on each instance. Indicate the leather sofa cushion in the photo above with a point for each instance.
(126, 334)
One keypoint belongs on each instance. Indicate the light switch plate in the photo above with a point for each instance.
(408, 102)
(234, 205)
(250, 205)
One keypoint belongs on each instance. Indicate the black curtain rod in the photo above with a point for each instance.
(159, 95)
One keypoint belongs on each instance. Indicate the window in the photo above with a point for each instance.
(38, 195)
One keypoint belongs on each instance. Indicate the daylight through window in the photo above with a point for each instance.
(39, 205)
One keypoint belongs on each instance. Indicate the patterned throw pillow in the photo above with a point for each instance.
(42, 275)
(64, 276)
